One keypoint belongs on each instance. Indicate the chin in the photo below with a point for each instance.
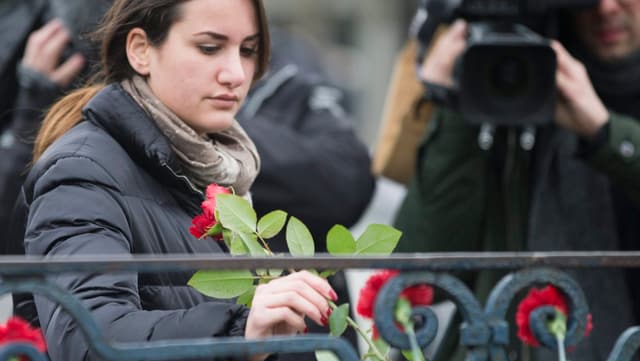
(218, 123)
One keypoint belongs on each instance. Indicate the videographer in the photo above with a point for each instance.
(576, 189)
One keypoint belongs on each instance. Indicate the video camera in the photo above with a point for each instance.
(506, 75)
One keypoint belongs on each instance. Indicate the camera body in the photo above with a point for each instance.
(506, 75)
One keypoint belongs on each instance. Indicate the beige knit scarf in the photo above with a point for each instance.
(228, 157)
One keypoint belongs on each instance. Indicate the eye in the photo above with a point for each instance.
(249, 51)
(208, 49)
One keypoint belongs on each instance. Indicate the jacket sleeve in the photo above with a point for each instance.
(313, 164)
(446, 200)
(93, 222)
(618, 155)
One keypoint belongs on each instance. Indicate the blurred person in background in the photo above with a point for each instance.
(578, 189)
(45, 54)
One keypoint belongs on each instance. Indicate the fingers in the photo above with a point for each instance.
(39, 38)
(302, 301)
(282, 305)
(305, 293)
(43, 52)
(567, 65)
(578, 108)
(439, 63)
(282, 320)
(68, 71)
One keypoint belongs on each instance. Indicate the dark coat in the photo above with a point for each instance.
(566, 195)
(313, 164)
(120, 184)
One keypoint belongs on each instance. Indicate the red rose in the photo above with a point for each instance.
(203, 222)
(214, 189)
(419, 295)
(548, 296)
(18, 330)
(199, 226)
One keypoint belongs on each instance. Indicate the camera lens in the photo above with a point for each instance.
(508, 77)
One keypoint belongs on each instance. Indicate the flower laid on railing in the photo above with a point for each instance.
(419, 295)
(232, 217)
(547, 296)
(18, 330)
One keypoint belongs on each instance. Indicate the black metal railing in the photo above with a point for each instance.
(484, 331)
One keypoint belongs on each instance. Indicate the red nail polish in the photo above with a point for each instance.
(324, 321)
(306, 330)
(333, 295)
(329, 310)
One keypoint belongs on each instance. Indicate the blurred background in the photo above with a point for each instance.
(358, 40)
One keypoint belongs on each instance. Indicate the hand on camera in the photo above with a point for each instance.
(44, 51)
(578, 106)
(280, 307)
(438, 65)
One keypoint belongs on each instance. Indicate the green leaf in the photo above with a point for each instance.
(228, 237)
(275, 272)
(340, 241)
(338, 320)
(236, 213)
(236, 245)
(326, 356)
(271, 224)
(378, 239)
(214, 231)
(222, 284)
(328, 273)
(251, 242)
(247, 297)
(299, 238)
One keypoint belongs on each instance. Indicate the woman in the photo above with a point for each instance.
(126, 175)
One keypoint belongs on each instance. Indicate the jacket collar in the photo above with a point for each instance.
(113, 110)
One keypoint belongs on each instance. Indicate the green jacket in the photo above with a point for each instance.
(465, 199)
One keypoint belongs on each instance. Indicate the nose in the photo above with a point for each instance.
(232, 73)
(608, 6)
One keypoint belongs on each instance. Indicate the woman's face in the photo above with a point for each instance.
(204, 69)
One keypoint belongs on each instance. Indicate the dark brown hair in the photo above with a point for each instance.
(155, 17)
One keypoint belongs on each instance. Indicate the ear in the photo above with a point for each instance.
(138, 51)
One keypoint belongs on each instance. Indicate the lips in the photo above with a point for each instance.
(224, 102)
(610, 34)
(226, 97)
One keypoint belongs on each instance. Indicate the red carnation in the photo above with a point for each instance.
(548, 296)
(419, 295)
(18, 330)
(202, 223)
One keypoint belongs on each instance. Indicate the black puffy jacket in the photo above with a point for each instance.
(111, 186)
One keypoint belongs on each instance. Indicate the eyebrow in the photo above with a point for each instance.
(218, 36)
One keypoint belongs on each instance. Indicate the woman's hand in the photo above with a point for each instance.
(578, 106)
(280, 307)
